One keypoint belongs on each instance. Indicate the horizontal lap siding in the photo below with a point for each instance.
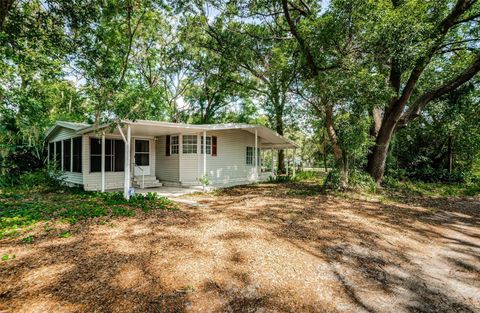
(229, 166)
(73, 178)
(63, 133)
(166, 166)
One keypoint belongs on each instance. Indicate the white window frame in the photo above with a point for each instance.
(209, 144)
(189, 144)
(174, 145)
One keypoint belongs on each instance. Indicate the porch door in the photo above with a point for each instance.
(142, 157)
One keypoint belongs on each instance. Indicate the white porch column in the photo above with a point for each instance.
(71, 154)
(286, 161)
(204, 154)
(61, 154)
(255, 154)
(273, 164)
(293, 162)
(127, 161)
(103, 162)
(126, 181)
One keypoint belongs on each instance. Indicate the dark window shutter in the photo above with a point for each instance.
(167, 146)
(214, 145)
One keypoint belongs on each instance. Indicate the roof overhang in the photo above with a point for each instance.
(271, 139)
(62, 124)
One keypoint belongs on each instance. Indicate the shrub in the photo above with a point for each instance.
(357, 180)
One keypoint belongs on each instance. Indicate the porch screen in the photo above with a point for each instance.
(67, 149)
(51, 152)
(114, 155)
(77, 155)
(58, 154)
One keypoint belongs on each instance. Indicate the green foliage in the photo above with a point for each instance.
(333, 180)
(421, 152)
(421, 188)
(357, 180)
(65, 234)
(22, 208)
(6, 257)
(205, 180)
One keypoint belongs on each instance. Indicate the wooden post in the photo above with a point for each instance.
(103, 162)
(273, 164)
(293, 162)
(286, 161)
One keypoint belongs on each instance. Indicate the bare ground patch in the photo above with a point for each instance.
(266, 248)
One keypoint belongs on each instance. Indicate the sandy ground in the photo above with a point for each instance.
(264, 248)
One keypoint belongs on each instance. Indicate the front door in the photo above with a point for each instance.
(142, 157)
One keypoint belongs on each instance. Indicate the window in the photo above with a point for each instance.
(77, 155)
(114, 155)
(67, 151)
(51, 152)
(214, 145)
(142, 153)
(189, 144)
(209, 145)
(58, 154)
(174, 145)
(250, 157)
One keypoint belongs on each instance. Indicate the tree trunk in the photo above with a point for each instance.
(450, 154)
(281, 153)
(281, 161)
(376, 160)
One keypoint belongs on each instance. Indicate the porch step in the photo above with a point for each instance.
(171, 183)
(149, 181)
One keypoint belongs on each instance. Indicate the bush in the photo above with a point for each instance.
(333, 180)
(357, 180)
(46, 177)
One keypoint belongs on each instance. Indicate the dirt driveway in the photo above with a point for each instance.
(267, 248)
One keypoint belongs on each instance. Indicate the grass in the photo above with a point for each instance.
(21, 209)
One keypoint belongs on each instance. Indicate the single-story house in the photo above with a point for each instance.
(97, 157)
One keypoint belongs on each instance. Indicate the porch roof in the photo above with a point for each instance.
(271, 139)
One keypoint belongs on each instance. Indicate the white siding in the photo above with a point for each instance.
(166, 168)
(228, 167)
(61, 134)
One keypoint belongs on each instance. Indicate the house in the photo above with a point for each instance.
(150, 153)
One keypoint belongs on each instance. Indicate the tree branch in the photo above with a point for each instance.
(439, 91)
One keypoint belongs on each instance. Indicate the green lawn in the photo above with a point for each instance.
(21, 209)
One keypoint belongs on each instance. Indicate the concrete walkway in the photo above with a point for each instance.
(170, 191)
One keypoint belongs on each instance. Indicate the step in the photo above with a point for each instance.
(146, 179)
(171, 183)
(148, 185)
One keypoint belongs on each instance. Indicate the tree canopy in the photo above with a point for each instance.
(387, 86)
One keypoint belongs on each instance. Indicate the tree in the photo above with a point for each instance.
(265, 65)
(407, 50)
